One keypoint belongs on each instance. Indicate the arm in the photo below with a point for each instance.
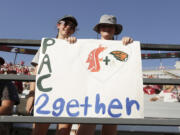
(154, 98)
(30, 100)
(6, 107)
(170, 89)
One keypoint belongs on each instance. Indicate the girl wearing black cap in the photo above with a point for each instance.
(66, 27)
(107, 28)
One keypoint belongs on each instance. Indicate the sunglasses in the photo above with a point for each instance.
(106, 26)
(68, 23)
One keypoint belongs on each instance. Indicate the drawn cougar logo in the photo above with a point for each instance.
(94, 60)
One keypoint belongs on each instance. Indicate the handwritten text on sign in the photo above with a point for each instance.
(91, 78)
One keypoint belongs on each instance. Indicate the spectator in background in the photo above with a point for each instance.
(9, 98)
(168, 94)
(152, 89)
(8, 95)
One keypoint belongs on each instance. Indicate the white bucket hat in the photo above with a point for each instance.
(109, 19)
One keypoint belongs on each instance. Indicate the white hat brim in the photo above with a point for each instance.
(119, 28)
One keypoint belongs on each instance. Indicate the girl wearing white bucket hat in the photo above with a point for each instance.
(107, 28)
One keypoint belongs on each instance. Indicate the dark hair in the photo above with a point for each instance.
(1, 61)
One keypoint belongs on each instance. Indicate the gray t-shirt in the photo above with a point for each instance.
(8, 91)
(35, 60)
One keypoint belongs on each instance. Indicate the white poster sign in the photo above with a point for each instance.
(91, 78)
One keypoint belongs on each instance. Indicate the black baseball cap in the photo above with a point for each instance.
(69, 17)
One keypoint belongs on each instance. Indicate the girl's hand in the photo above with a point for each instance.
(30, 102)
(127, 40)
(71, 40)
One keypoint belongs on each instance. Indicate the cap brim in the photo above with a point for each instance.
(71, 19)
(119, 28)
(34, 64)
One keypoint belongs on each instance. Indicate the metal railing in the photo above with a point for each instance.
(78, 120)
(146, 81)
(144, 46)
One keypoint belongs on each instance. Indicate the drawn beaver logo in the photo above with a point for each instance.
(119, 55)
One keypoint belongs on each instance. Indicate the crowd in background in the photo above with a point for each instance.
(167, 93)
(19, 69)
(10, 68)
